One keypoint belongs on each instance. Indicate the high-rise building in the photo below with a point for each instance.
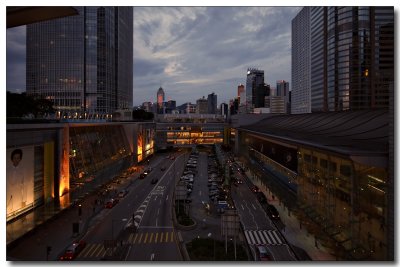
(359, 58)
(202, 106)
(254, 82)
(224, 109)
(282, 89)
(349, 55)
(160, 100)
(301, 64)
(83, 63)
(212, 103)
(241, 93)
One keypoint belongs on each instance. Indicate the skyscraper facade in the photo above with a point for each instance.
(359, 57)
(254, 82)
(160, 100)
(83, 63)
(349, 54)
(212, 103)
(301, 64)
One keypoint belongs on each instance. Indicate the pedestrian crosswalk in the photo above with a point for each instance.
(97, 250)
(263, 237)
(151, 238)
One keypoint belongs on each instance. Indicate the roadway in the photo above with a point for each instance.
(150, 205)
(257, 226)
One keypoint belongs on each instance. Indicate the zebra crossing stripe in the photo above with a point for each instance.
(277, 237)
(256, 237)
(262, 237)
(246, 233)
(265, 233)
(251, 238)
(272, 237)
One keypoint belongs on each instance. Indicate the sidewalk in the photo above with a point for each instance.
(294, 233)
(56, 230)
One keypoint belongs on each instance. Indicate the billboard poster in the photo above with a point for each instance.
(20, 186)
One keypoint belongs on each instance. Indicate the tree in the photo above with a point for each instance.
(21, 105)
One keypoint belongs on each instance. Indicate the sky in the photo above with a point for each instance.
(192, 51)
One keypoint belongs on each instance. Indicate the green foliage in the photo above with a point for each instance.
(20, 105)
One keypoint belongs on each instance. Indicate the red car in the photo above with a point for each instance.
(73, 250)
(111, 203)
(262, 253)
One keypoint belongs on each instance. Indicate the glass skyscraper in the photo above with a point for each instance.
(301, 64)
(254, 83)
(83, 63)
(351, 57)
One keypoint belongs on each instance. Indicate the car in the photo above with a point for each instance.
(154, 181)
(142, 175)
(111, 203)
(163, 168)
(272, 212)
(122, 193)
(262, 254)
(255, 189)
(261, 197)
(239, 181)
(73, 250)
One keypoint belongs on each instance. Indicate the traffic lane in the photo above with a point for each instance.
(282, 253)
(160, 250)
(252, 214)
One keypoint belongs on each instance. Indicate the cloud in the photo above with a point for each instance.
(193, 51)
(210, 48)
(16, 59)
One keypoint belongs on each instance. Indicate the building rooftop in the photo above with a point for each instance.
(354, 133)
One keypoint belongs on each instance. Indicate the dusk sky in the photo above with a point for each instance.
(192, 51)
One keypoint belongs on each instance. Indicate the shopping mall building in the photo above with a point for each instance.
(333, 171)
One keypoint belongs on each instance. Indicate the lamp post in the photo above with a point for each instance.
(210, 236)
(112, 232)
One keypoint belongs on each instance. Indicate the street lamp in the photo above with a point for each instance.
(210, 236)
(112, 231)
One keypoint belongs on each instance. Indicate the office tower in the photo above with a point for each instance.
(202, 106)
(224, 109)
(160, 100)
(212, 104)
(241, 94)
(170, 105)
(83, 63)
(301, 64)
(359, 57)
(351, 53)
(282, 89)
(254, 84)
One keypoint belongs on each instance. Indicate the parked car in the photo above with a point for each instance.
(122, 193)
(255, 189)
(272, 212)
(261, 197)
(111, 203)
(142, 175)
(73, 250)
(262, 254)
